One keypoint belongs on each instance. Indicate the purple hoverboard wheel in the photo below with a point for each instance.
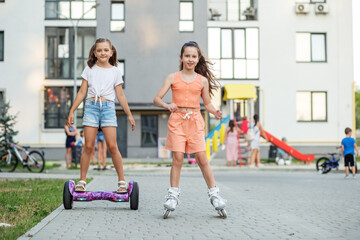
(69, 195)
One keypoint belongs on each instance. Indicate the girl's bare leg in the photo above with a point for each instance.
(90, 135)
(175, 172)
(104, 154)
(228, 163)
(253, 156)
(205, 167)
(234, 163)
(257, 161)
(67, 156)
(100, 154)
(110, 137)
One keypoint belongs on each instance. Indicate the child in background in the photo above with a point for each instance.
(244, 127)
(282, 157)
(101, 147)
(232, 144)
(102, 81)
(348, 145)
(71, 132)
(81, 140)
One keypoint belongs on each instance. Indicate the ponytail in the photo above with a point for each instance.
(202, 67)
(92, 59)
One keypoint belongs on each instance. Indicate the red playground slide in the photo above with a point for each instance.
(291, 151)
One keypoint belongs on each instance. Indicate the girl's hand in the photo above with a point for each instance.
(171, 107)
(132, 122)
(70, 119)
(218, 114)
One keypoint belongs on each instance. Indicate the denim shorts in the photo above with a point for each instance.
(95, 116)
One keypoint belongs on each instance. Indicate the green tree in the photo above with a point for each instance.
(357, 108)
(7, 123)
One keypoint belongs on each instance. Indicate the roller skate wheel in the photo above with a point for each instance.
(166, 213)
(222, 213)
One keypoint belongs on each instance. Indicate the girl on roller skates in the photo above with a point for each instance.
(186, 126)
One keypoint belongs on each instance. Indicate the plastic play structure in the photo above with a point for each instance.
(289, 150)
(216, 137)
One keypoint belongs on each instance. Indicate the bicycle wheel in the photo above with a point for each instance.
(35, 162)
(8, 162)
(322, 165)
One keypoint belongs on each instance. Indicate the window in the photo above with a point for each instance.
(234, 52)
(232, 10)
(117, 23)
(2, 96)
(57, 104)
(311, 106)
(60, 51)
(70, 9)
(2, 46)
(121, 66)
(310, 1)
(186, 22)
(2, 101)
(149, 130)
(311, 47)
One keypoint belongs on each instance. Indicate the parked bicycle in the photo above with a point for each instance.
(9, 159)
(324, 164)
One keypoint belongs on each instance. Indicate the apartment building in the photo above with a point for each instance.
(297, 54)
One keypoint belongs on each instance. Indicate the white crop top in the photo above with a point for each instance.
(102, 81)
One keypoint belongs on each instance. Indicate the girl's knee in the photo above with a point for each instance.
(89, 148)
(177, 161)
(202, 161)
(112, 148)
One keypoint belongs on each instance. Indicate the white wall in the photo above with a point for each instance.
(281, 76)
(22, 71)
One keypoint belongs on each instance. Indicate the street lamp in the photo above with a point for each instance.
(75, 26)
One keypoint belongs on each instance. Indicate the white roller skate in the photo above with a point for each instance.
(172, 201)
(218, 202)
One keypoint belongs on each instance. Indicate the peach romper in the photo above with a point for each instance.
(186, 131)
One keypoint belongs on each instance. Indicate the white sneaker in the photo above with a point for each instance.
(354, 176)
(215, 199)
(172, 199)
(346, 177)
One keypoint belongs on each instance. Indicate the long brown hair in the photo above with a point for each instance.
(202, 67)
(92, 59)
(231, 125)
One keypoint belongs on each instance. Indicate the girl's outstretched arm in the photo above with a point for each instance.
(207, 100)
(162, 92)
(262, 131)
(78, 99)
(122, 100)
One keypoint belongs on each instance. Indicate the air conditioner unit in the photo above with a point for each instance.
(321, 8)
(302, 8)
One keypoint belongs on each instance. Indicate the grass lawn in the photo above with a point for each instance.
(24, 203)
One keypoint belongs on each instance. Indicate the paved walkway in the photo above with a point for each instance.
(262, 204)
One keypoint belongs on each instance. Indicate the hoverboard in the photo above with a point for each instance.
(69, 195)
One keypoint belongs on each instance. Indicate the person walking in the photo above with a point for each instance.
(348, 147)
(71, 132)
(255, 142)
(232, 143)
